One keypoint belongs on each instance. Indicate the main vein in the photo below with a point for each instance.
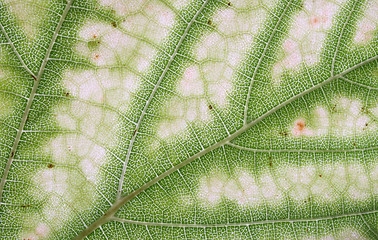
(215, 225)
(31, 97)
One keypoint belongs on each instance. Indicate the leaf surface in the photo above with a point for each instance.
(204, 119)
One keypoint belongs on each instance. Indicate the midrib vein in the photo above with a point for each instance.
(109, 215)
(155, 224)
(166, 69)
(31, 98)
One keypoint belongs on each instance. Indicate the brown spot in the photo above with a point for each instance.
(96, 56)
(94, 36)
(320, 175)
(114, 24)
(12, 154)
(314, 20)
(300, 125)
(209, 22)
(229, 3)
(67, 94)
(135, 131)
(34, 77)
(25, 205)
(50, 165)
(210, 107)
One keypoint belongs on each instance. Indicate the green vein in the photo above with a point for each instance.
(31, 98)
(215, 225)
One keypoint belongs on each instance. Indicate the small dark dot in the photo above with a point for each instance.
(283, 133)
(114, 24)
(210, 107)
(67, 94)
(320, 175)
(354, 144)
(366, 124)
(209, 22)
(229, 3)
(50, 165)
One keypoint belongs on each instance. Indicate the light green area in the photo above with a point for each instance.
(188, 119)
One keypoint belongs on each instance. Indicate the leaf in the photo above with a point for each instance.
(202, 119)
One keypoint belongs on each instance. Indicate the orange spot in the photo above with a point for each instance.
(314, 20)
(96, 56)
(300, 125)
(94, 36)
(300, 128)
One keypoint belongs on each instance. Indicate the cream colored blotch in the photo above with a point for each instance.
(306, 37)
(211, 189)
(346, 118)
(191, 84)
(41, 231)
(368, 24)
(345, 234)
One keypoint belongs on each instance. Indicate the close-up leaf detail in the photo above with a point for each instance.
(188, 119)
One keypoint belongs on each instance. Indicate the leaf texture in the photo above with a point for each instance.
(200, 119)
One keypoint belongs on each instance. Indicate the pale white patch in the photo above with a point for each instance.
(105, 45)
(350, 234)
(360, 185)
(191, 83)
(321, 189)
(306, 37)
(368, 24)
(57, 210)
(212, 46)
(170, 128)
(211, 189)
(219, 79)
(230, 21)
(237, 45)
(347, 117)
(243, 189)
(339, 177)
(192, 106)
(328, 184)
(233, 192)
(53, 180)
(269, 189)
(102, 86)
(42, 230)
(250, 190)
(347, 234)
(322, 117)
(32, 10)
